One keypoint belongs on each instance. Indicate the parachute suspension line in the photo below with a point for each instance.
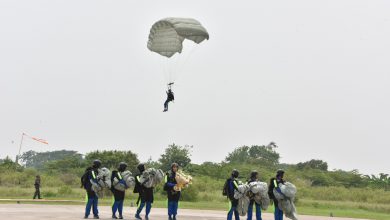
(183, 60)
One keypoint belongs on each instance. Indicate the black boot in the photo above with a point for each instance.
(114, 216)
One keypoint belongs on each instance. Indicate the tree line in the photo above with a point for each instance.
(263, 158)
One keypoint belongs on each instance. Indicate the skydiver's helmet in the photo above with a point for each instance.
(122, 166)
(96, 164)
(254, 174)
(141, 167)
(280, 173)
(235, 173)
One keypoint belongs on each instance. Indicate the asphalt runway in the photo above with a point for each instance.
(69, 212)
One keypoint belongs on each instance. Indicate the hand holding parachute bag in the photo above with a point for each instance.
(103, 180)
(286, 199)
(260, 191)
(243, 200)
(128, 181)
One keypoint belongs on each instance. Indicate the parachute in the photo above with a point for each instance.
(167, 35)
(103, 180)
(151, 177)
(243, 199)
(127, 176)
(286, 201)
(260, 192)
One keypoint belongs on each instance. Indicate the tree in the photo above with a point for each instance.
(239, 155)
(70, 162)
(8, 165)
(382, 181)
(175, 154)
(264, 154)
(257, 154)
(38, 159)
(111, 159)
(313, 164)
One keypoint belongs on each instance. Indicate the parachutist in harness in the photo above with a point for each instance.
(119, 196)
(90, 176)
(170, 96)
(145, 195)
(274, 184)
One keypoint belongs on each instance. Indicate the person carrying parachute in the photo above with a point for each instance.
(90, 176)
(253, 178)
(231, 185)
(118, 196)
(166, 38)
(145, 194)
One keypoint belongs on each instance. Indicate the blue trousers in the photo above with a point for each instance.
(233, 209)
(141, 206)
(172, 208)
(92, 201)
(117, 205)
(278, 213)
(250, 210)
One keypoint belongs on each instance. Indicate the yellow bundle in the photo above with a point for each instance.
(182, 180)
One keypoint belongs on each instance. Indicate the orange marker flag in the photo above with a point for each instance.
(37, 139)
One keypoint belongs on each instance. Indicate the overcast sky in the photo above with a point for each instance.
(312, 76)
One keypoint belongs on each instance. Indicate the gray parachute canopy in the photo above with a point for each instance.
(167, 35)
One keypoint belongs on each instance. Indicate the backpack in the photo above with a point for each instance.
(225, 190)
(84, 177)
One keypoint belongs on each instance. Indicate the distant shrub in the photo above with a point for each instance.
(49, 194)
(64, 190)
(190, 194)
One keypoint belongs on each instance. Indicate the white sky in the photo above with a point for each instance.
(313, 76)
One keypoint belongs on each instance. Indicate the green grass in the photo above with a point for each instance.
(213, 200)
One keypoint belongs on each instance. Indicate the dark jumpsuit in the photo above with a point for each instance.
(274, 184)
(118, 196)
(145, 196)
(232, 185)
(173, 196)
(91, 197)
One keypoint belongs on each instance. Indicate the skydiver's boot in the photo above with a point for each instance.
(120, 217)
(96, 217)
(146, 217)
(174, 217)
(114, 216)
(138, 217)
(169, 217)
